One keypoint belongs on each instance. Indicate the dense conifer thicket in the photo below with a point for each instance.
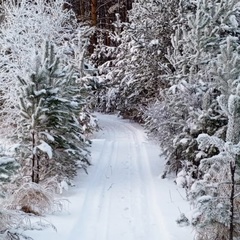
(174, 67)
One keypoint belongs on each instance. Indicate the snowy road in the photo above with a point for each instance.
(122, 197)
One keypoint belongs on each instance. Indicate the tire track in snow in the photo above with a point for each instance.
(120, 202)
(86, 226)
(103, 217)
(119, 218)
(154, 222)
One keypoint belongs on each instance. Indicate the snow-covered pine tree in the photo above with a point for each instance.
(201, 27)
(215, 195)
(51, 137)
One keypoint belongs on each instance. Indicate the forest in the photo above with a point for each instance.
(170, 65)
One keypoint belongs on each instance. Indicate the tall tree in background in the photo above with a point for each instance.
(100, 15)
(94, 21)
(94, 14)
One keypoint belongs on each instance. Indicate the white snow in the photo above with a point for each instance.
(184, 141)
(154, 42)
(44, 147)
(74, 104)
(123, 197)
(63, 186)
(200, 155)
(48, 136)
(233, 21)
(6, 160)
(181, 178)
(38, 93)
(181, 181)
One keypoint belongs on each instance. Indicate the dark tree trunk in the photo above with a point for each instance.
(35, 161)
(37, 178)
(94, 24)
(82, 9)
(94, 12)
(231, 227)
(101, 15)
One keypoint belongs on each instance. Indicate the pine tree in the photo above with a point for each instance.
(215, 195)
(51, 136)
(200, 29)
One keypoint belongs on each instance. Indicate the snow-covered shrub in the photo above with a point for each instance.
(24, 199)
(211, 195)
(33, 198)
(178, 118)
(13, 223)
(10, 221)
(167, 121)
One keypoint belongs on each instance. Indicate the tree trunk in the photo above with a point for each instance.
(37, 178)
(33, 157)
(94, 24)
(231, 227)
(35, 161)
(94, 12)
(82, 10)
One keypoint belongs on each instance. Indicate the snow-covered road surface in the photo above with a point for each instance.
(123, 197)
